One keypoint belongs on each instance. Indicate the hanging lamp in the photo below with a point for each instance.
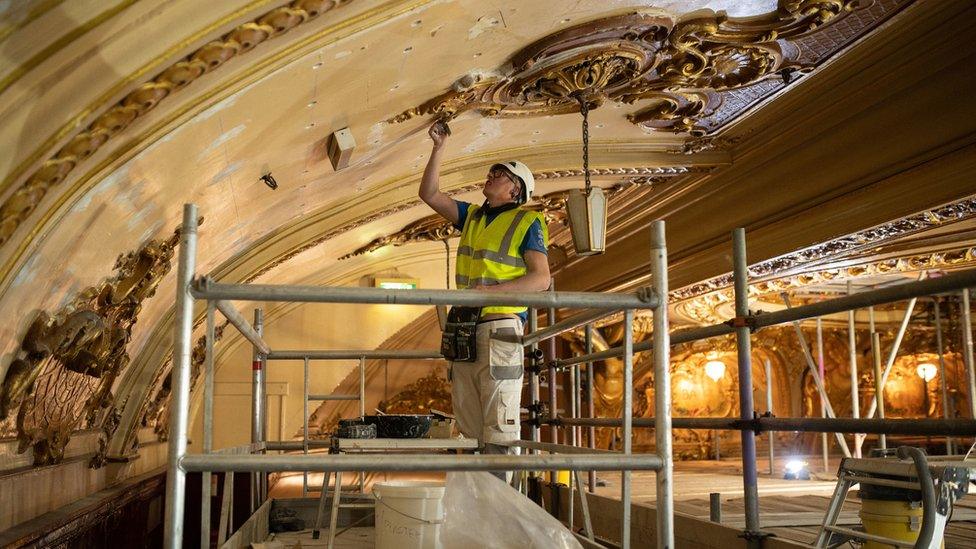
(587, 208)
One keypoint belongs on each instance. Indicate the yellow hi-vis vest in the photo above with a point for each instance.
(489, 252)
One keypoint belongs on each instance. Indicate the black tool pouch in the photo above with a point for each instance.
(459, 341)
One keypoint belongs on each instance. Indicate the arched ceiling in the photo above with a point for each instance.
(114, 114)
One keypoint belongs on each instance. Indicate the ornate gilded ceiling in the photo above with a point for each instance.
(674, 70)
(111, 118)
(903, 247)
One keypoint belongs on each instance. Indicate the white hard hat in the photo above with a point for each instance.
(523, 172)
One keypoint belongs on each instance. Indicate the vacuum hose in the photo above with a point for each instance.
(928, 493)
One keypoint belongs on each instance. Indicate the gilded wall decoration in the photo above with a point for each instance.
(705, 309)
(62, 376)
(156, 409)
(906, 393)
(432, 391)
(695, 394)
(676, 71)
(784, 272)
(144, 98)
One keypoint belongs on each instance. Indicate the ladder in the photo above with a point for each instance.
(361, 397)
(940, 486)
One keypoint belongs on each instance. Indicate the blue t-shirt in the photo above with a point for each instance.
(533, 238)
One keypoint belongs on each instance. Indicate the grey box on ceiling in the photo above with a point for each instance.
(341, 145)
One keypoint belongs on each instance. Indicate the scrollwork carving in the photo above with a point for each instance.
(63, 373)
(675, 70)
(699, 301)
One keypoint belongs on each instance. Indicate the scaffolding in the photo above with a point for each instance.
(561, 456)
(249, 459)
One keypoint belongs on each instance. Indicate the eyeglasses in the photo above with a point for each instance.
(496, 173)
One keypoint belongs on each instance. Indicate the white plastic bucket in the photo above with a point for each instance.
(409, 514)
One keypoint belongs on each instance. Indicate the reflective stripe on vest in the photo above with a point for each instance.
(488, 253)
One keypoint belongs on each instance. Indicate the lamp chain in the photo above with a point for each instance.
(585, 111)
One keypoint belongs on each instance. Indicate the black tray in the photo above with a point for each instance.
(400, 425)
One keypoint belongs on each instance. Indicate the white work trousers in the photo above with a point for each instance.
(487, 393)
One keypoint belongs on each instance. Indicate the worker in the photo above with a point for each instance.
(503, 248)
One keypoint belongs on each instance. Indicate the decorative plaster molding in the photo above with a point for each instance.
(155, 410)
(785, 264)
(552, 205)
(22, 202)
(680, 71)
(61, 377)
(704, 308)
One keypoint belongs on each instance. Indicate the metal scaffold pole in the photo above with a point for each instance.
(746, 409)
(769, 409)
(534, 380)
(852, 358)
(967, 351)
(257, 401)
(590, 407)
(662, 382)
(942, 370)
(208, 390)
(878, 386)
(821, 368)
(553, 397)
(955, 427)
(627, 431)
(180, 403)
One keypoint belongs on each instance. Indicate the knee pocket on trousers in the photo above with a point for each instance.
(508, 409)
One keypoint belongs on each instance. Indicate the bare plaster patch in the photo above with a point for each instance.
(489, 130)
(151, 231)
(221, 140)
(229, 101)
(226, 172)
(375, 135)
(28, 272)
(484, 24)
(111, 180)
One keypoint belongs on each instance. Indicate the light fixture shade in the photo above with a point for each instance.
(588, 220)
(927, 371)
(715, 369)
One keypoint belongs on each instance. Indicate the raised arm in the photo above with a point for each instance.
(430, 184)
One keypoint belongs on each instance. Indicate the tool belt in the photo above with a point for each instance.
(459, 341)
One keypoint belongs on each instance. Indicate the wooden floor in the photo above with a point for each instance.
(790, 509)
(354, 538)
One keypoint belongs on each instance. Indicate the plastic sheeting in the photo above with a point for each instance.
(483, 511)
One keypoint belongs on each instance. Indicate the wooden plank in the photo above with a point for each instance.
(255, 529)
